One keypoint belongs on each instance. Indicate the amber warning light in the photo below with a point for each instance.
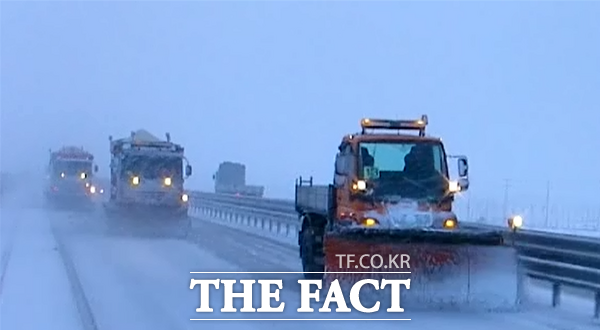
(271, 291)
(394, 124)
(391, 124)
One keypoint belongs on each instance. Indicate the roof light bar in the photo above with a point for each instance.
(390, 124)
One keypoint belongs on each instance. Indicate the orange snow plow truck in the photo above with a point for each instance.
(388, 215)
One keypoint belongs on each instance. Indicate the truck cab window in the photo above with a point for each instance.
(408, 169)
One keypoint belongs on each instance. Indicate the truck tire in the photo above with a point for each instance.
(311, 245)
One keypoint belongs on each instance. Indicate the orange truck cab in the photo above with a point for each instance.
(391, 191)
(376, 169)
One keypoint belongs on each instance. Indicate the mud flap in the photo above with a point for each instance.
(442, 276)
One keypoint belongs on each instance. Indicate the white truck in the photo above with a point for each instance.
(147, 177)
(230, 179)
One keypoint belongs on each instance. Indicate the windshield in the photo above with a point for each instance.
(402, 169)
(72, 167)
(152, 167)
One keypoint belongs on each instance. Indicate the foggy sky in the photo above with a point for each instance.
(275, 85)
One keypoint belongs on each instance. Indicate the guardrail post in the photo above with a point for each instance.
(555, 294)
(597, 305)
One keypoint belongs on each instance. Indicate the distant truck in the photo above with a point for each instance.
(230, 179)
(69, 176)
(147, 176)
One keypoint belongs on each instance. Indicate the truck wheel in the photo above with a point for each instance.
(312, 253)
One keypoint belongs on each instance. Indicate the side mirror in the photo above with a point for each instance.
(339, 165)
(188, 170)
(95, 168)
(463, 167)
(463, 173)
(214, 176)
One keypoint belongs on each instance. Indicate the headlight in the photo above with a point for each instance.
(62, 175)
(83, 176)
(449, 223)
(184, 197)
(360, 185)
(135, 180)
(453, 186)
(515, 222)
(93, 189)
(167, 181)
(102, 191)
(369, 222)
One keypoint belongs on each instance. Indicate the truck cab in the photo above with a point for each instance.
(70, 173)
(148, 173)
(382, 166)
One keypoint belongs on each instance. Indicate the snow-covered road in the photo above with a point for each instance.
(35, 289)
(65, 272)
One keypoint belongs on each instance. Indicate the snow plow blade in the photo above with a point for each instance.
(448, 269)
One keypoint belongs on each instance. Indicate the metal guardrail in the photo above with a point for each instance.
(281, 205)
(560, 259)
(282, 224)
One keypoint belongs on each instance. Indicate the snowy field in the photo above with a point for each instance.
(64, 270)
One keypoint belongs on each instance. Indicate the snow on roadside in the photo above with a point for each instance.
(35, 289)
